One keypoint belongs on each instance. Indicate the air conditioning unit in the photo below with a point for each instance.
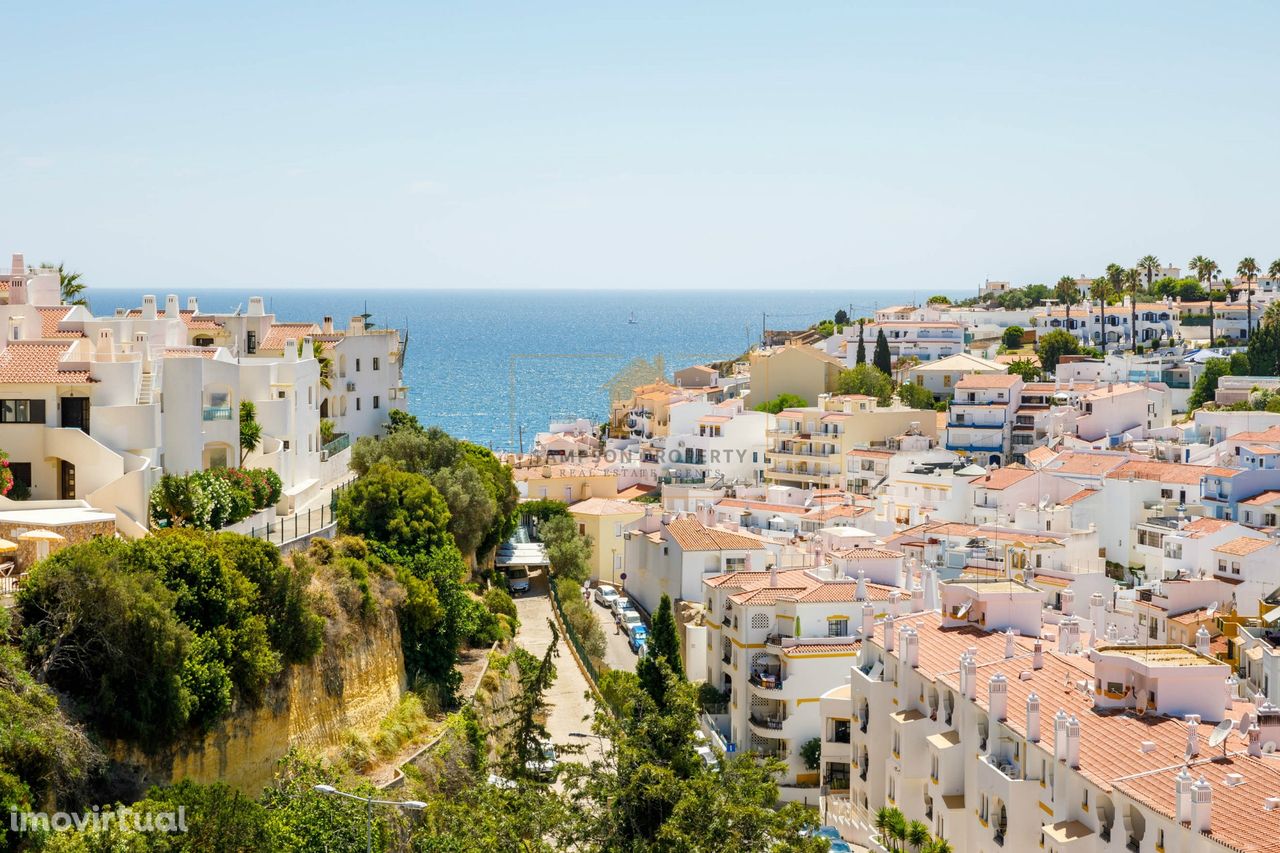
(351, 386)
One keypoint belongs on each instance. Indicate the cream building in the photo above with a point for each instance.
(605, 520)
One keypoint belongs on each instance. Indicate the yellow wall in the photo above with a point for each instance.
(799, 370)
(605, 542)
(581, 486)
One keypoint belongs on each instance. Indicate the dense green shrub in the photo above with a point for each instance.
(213, 499)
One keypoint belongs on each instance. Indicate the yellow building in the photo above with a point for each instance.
(647, 412)
(808, 447)
(792, 369)
(569, 482)
(604, 520)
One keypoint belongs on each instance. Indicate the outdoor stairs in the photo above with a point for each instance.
(145, 389)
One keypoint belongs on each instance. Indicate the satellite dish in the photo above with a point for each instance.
(1246, 720)
(1213, 608)
(1220, 733)
(1269, 747)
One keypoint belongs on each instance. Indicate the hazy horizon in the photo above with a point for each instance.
(830, 146)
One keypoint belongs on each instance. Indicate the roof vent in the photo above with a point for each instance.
(1271, 804)
(1025, 675)
(1148, 746)
(1234, 780)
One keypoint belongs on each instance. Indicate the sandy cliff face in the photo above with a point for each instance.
(312, 706)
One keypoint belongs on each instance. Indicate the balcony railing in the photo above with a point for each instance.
(339, 444)
(767, 680)
(216, 413)
(767, 722)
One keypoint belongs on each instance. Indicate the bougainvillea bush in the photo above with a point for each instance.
(213, 499)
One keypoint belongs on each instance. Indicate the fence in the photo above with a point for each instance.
(590, 667)
(286, 530)
(339, 444)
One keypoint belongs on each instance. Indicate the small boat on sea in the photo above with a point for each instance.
(632, 319)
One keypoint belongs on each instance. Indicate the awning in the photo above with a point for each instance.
(944, 740)
(953, 801)
(1271, 615)
(910, 715)
(1066, 831)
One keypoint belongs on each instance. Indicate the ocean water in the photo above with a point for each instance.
(489, 365)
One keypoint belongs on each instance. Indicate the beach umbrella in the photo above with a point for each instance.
(6, 546)
(42, 538)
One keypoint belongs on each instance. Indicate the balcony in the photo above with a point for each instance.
(769, 679)
(969, 425)
(216, 413)
(770, 723)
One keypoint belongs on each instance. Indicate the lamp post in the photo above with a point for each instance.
(369, 802)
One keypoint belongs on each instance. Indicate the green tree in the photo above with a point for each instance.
(471, 507)
(71, 286)
(1150, 265)
(1036, 294)
(664, 638)
(939, 299)
(861, 354)
(915, 396)
(1067, 294)
(1205, 387)
(1132, 283)
(401, 510)
(529, 712)
(1011, 338)
(811, 753)
(865, 379)
(881, 358)
(1054, 346)
(250, 429)
(842, 317)
(917, 835)
(1206, 270)
(399, 419)
(326, 363)
(1026, 368)
(568, 550)
(780, 402)
(1264, 344)
(1248, 270)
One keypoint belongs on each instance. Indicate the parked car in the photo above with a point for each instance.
(631, 621)
(544, 767)
(518, 580)
(639, 636)
(605, 596)
(621, 604)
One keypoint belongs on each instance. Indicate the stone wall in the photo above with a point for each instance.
(313, 707)
(74, 534)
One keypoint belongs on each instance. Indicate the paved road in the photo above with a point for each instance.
(571, 709)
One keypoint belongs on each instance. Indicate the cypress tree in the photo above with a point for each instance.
(862, 345)
(881, 359)
(664, 641)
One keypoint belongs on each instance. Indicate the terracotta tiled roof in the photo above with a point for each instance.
(830, 512)
(1093, 464)
(1263, 498)
(1079, 496)
(1243, 546)
(988, 380)
(1204, 526)
(36, 362)
(281, 332)
(606, 506)
(50, 317)
(852, 647)
(189, 352)
(691, 535)
(1164, 472)
(194, 322)
(1003, 478)
(831, 593)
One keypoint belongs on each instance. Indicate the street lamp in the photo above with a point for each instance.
(369, 802)
(599, 742)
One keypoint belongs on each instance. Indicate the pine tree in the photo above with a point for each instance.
(862, 345)
(881, 359)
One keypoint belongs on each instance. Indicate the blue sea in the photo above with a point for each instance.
(490, 365)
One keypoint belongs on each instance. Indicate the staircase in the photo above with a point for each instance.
(145, 389)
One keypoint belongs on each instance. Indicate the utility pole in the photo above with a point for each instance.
(762, 322)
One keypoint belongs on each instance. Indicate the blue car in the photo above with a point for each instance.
(639, 637)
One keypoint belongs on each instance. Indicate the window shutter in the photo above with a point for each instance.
(37, 411)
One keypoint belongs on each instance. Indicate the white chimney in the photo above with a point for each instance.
(1201, 806)
(290, 349)
(1182, 791)
(910, 640)
(895, 603)
(868, 621)
(889, 631)
(917, 598)
(1193, 735)
(1060, 735)
(1202, 641)
(998, 698)
(1068, 602)
(255, 306)
(930, 588)
(356, 326)
(18, 292)
(171, 306)
(969, 672)
(1033, 718)
(106, 346)
(1010, 648)
(193, 305)
(861, 591)
(1255, 741)
(148, 307)
(1068, 634)
(328, 326)
(1037, 655)
(1073, 742)
(18, 264)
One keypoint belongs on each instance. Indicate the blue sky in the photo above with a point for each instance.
(591, 145)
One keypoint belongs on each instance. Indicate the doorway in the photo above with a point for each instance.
(66, 481)
(75, 413)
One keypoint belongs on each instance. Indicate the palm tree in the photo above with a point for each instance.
(1248, 269)
(69, 285)
(1205, 270)
(884, 819)
(940, 845)
(1149, 264)
(917, 835)
(326, 363)
(1133, 280)
(1068, 294)
(1102, 290)
(898, 829)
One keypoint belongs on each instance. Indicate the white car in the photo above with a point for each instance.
(631, 620)
(605, 596)
(621, 604)
(545, 768)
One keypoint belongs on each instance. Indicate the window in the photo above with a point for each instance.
(376, 401)
(21, 472)
(22, 411)
(251, 342)
(1222, 565)
(617, 528)
(357, 404)
(376, 362)
(357, 365)
(1235, 567)
(837, 627)
(203, 341)
(582, 529)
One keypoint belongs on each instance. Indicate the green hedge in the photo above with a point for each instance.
(213, 499)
